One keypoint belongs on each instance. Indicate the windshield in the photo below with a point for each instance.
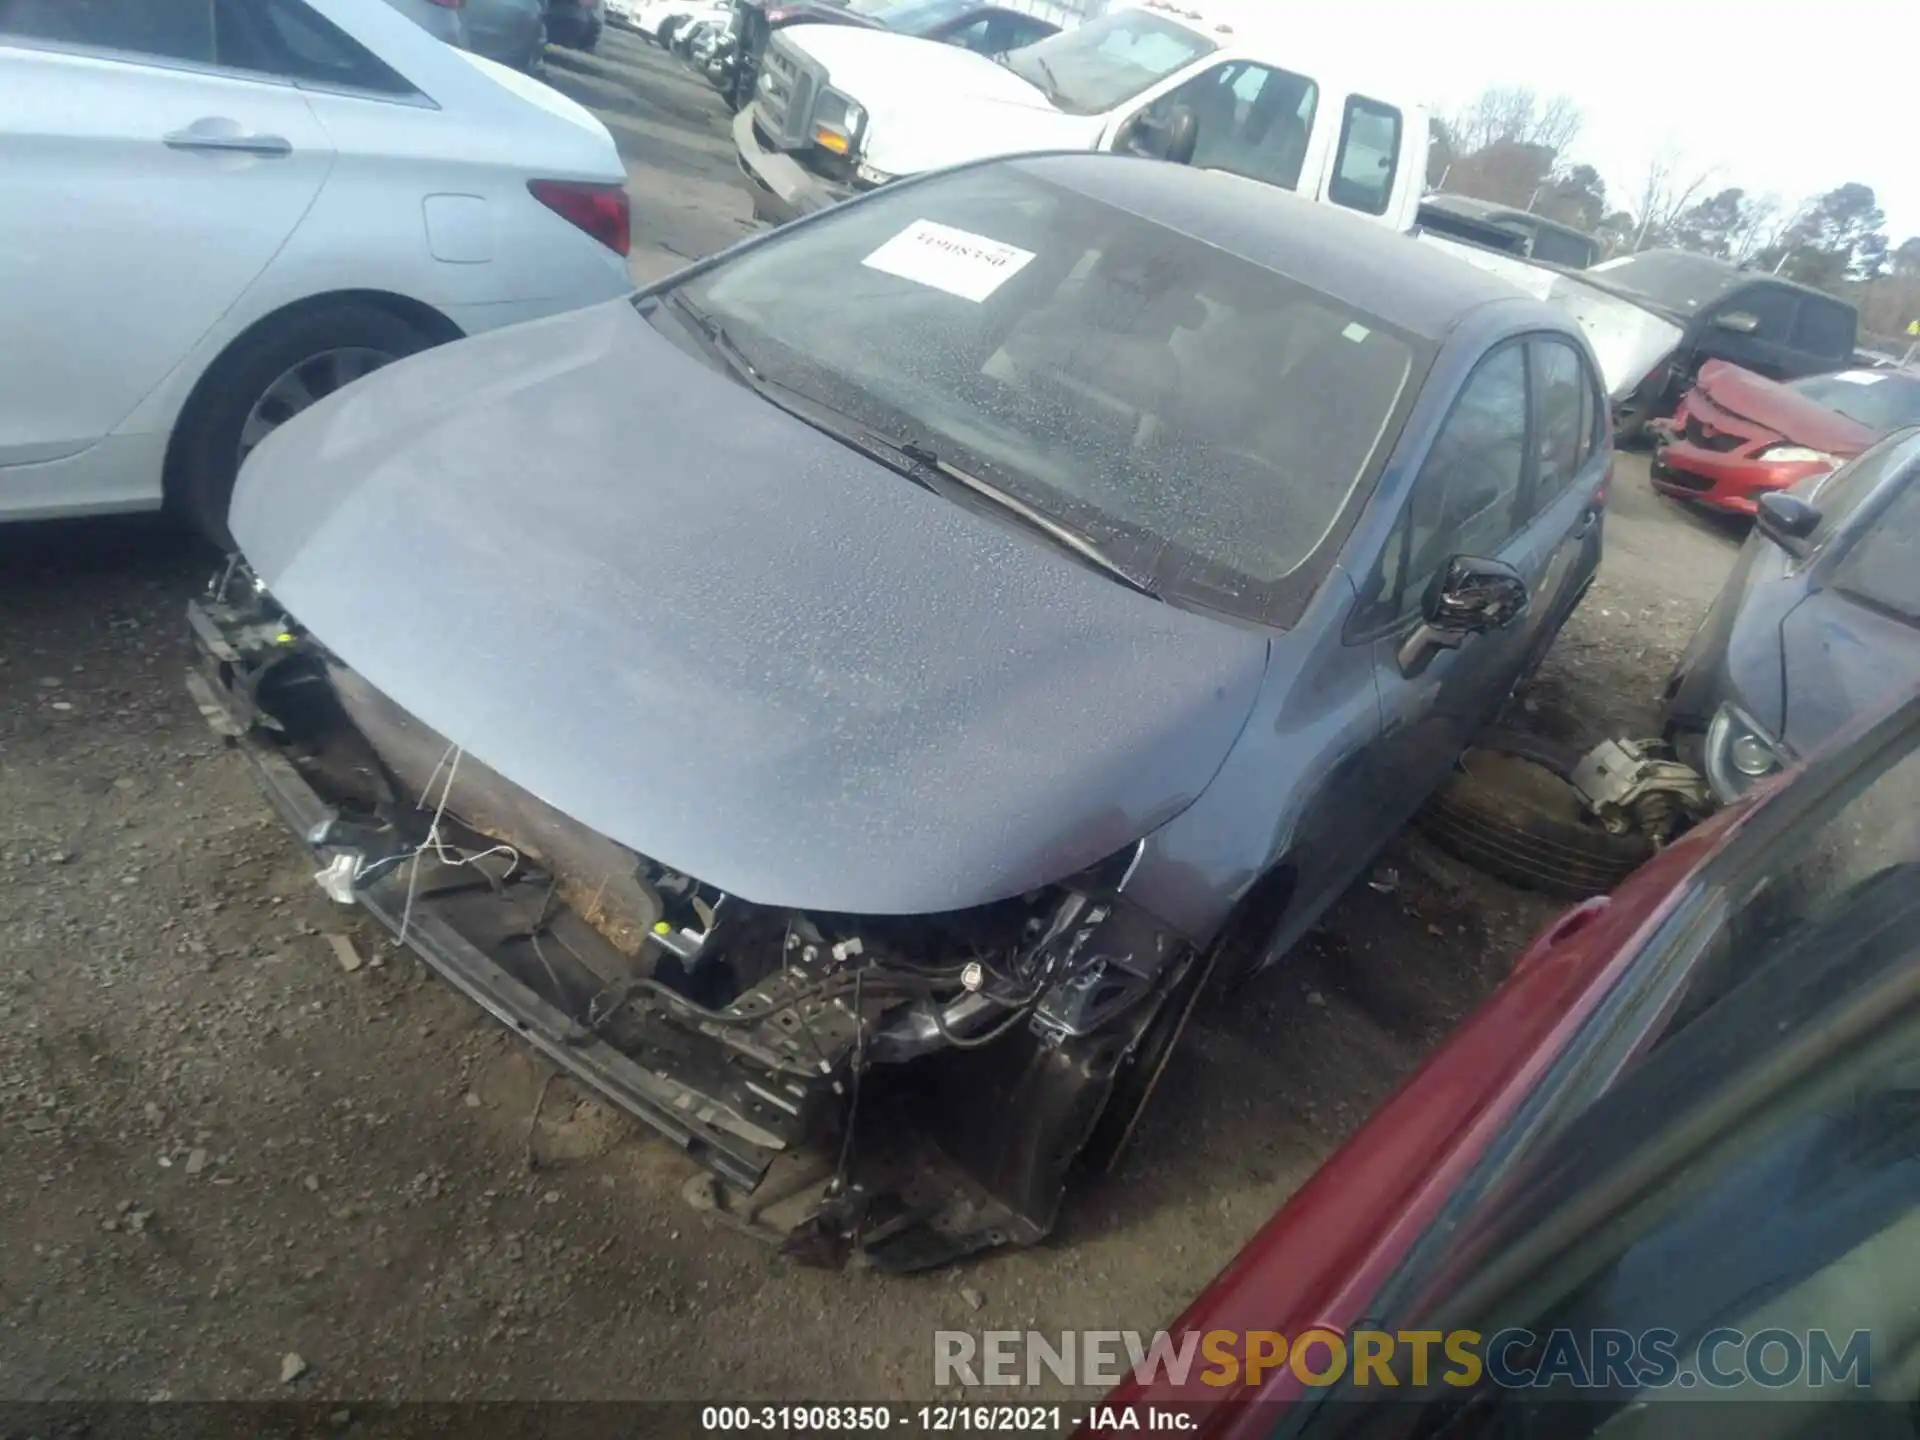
(1203, 420)
(1878, 399)
(911, 16)
(1671, 279)
(1091, 69)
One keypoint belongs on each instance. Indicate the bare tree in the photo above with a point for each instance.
(1514, 115)
(1764, 221)
(1668, 189)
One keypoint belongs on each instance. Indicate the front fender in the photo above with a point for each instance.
(1281, 796)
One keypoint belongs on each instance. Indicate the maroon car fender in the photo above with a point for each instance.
(1319, 1262)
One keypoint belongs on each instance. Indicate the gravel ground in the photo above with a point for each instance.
(222, 1148)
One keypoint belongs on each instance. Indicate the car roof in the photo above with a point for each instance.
(1723, 274)
(1477, 209)
(1360, 262)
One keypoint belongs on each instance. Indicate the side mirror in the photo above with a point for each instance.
(1738, 321)
(1470, 596)
(1171, 138)
(1786, 520)
(1182, 135)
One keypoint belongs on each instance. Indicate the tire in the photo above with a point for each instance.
(204, 458)
(1139, 1074)
(1509, 810)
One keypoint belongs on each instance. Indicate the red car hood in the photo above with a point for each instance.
(1787, 413)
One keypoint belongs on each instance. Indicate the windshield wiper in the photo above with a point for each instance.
(835, 424)
(715, 334)
(915, 461)
(1034, 519)
(1053, 82)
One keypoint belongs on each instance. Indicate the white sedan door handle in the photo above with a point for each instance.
(197, 139)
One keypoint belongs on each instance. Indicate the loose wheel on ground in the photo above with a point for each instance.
(1510, 810)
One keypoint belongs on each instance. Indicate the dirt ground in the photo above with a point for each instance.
(219, 1147)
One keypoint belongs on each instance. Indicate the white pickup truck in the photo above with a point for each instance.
(841, 109)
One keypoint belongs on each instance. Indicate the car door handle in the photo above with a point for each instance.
(190, 139)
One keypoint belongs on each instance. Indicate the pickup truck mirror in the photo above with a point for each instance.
(1786, 520)
(1469, 597)
(1172, 136)
(1738, 321)
(1182, 135)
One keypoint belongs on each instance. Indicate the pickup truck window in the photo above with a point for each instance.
(1823, 328)
(1203, 419)
(1249, 119)
(1368, 160)
(1556, 247)
(1106, 62)
(1772, 305)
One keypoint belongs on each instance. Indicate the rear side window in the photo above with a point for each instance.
(285, 38)
(153, 29)
(1363, 174)
(1558, 248)
(1564, 392)
(1823, 329)
(1773, 307)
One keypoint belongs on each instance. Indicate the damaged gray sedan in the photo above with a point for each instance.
(846, 704)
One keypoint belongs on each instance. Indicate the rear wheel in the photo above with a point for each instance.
(1138, 1075)
(266, 378)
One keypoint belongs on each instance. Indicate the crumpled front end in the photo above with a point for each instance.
(1712, 456)
(907, 1088)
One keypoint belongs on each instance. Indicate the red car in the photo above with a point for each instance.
(1677, 1150)
(1738, 435)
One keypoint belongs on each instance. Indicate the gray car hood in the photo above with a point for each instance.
(725, 640)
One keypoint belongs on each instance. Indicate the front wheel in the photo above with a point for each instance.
(270, 375)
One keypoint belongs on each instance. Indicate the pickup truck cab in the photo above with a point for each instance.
(839, 109)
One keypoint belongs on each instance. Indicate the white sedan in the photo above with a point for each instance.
(215, 214)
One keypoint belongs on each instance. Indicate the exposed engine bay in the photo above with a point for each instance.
(915, 1087)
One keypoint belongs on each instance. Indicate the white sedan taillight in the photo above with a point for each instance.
(603, 211)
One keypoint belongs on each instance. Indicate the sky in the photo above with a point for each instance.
(1788, 96)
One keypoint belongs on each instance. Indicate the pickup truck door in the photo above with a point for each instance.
(1766, 349)
(1363, 169)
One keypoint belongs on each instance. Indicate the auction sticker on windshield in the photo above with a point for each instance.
(956, 261)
